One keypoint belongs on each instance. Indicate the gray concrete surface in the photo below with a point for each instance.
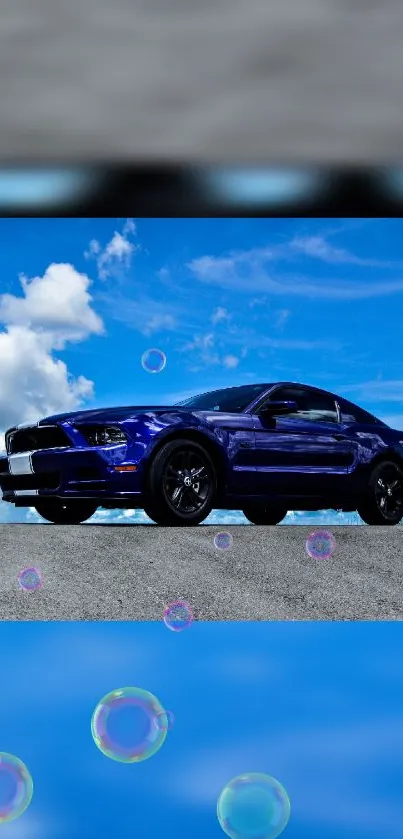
(129, 572)
(230, 79)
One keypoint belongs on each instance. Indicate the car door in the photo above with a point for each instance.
(305, 453)
(365, 431)
(236, 432)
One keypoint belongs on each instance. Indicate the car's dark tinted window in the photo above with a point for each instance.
(231, 399)
(312, 405)
(351, 413)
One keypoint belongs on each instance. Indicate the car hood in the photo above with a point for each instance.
(108, 414)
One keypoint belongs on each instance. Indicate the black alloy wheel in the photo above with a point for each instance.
(383, 502)
(65, 512)
(181, 484)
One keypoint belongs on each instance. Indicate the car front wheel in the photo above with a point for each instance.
(181, 484)
(66, 512)
(383, 500)
(260, 514)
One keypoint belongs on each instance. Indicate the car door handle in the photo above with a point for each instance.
(340, 437)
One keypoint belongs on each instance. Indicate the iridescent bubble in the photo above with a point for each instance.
(16, 787)
(178, 615)
(320, 544)
(253, 806)
(153, 361)
(223, 541)
(124, 725)
(30, 579)
(165, 720)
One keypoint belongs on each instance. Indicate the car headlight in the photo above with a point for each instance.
(98, 435)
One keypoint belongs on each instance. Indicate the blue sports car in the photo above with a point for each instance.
(262, 448)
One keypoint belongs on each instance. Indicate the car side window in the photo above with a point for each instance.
(352, 414)
(312, 406)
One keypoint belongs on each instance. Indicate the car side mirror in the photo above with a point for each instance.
(271, 409)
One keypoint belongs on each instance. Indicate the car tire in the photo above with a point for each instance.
(383, 499)
(260, 514)
(154, 514)
(66, 512)
(167, 500)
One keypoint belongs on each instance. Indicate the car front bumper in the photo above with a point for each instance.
(104, 474)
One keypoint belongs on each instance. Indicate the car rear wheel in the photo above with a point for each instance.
(383, 500)
(66, 512)
(181, 484)
(260, 514)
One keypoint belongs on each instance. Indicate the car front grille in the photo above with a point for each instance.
(36, 438)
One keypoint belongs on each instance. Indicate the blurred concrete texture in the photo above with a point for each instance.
(258, 80)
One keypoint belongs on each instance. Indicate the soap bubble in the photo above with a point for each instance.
(165, 720)
(124, 725)
(253, 806)
(178, 615)
(30, 579)
(153, 361)
(223, 541)
(320, 544)
(16, 787)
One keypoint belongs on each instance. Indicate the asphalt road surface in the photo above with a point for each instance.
(243, 80)
(130, 572)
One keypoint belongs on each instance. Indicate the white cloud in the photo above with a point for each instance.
(163, 273)
(220, 314)
(202, 348)
(214, 268)
(32, 382)
(116, 254)
(59, 304)
(200, 342)
(281, 318)
(93, 248)
(159, 322)
(118, 248)
(394, 420)
(141, 313)
(119, 517)
(230, 362)
(53, 310)
(129, 227)
(247, 271)
(319, 248)
(257, 301)
(377, 390)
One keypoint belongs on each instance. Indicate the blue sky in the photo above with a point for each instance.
(229, 301)
(317, 705)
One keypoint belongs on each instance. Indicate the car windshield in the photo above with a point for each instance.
(231, 399)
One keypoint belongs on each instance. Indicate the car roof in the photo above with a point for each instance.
(302, 385)
(268, 385)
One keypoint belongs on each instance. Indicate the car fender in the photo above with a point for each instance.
(158, 429)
